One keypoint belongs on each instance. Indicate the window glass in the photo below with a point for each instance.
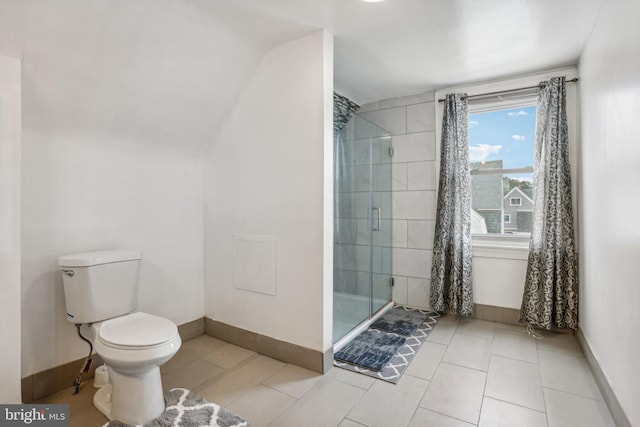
(501, 143)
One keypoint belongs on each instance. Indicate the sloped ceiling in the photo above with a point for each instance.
(170, 70)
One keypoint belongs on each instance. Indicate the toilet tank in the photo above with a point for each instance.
(100, 285)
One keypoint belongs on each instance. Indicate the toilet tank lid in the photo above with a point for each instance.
(87, 259)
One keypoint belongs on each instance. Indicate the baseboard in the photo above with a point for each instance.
(287, 352)
(492, 313)
(610, 399)
(53, 380)
(510, 316)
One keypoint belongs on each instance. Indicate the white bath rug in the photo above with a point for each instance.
(187, 409)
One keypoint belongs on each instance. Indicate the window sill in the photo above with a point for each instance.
(501, 246)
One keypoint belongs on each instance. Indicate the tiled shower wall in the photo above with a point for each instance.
(410, 120)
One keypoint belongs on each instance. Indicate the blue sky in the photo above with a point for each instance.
(506, 135)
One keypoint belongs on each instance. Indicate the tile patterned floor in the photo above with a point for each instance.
(468, 373)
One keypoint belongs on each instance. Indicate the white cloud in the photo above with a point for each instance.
(480, 152)
(518, 137)
(473, 123)
(517, 113)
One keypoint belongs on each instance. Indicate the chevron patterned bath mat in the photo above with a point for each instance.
(371, 349)
(400, 361)
(187, 409)
(400, 320)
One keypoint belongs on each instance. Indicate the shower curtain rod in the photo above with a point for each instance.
(479, 95)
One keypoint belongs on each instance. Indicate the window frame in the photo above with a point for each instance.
(505, 220)
(503, 243)
(511, 203)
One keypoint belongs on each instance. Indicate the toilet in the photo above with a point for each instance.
(101, 290)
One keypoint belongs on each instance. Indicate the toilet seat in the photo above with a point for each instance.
(137, 331)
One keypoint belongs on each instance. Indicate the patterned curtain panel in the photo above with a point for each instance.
(451, 267)
(551, 287)
(343, 109)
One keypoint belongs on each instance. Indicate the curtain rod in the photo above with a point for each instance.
(505, 91)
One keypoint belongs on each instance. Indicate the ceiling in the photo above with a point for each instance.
(170, 70)
(403, 47)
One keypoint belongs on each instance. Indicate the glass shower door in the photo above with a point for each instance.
(362, 241)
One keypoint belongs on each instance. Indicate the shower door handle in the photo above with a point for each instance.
(376, 227)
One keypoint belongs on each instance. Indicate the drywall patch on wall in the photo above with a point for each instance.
(254, 263)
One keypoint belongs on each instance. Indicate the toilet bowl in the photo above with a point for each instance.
(134, 347)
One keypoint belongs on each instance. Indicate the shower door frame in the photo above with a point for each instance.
(379, 182)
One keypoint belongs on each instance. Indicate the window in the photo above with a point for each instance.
(501, 150)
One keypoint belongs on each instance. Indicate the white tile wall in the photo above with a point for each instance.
(414, 147)
(420, 234)
(420, 117)
(410, 120)
(421, 176)
(393, 120)
(414, 204)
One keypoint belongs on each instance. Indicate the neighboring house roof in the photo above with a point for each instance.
(478, 224)
(487, 190)
(522, 193)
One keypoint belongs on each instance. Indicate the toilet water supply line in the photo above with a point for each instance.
(87, 363)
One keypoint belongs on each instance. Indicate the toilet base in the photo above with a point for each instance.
(102, 400)
(131, 399)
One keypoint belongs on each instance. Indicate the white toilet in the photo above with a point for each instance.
(101, 289)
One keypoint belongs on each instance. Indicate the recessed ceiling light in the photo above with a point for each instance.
(372, 1)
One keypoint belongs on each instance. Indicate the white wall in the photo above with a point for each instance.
(265, 176)
(609, 206)
(85, 192)
(10, 130)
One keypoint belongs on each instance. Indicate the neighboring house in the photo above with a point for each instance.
(486, 194)
(478, 224)
(518, 211)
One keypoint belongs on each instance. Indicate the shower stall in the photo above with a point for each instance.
(362, 223)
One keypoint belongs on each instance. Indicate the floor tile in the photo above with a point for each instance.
(386, 404)
(456, 391)
(325, 405)
(566, 372)
(468, 351)
(191, 375)
(182, 357)
(77, 403)
(351, 378)
(260, 405)
(426, 361)
(88, 418)
(514, 328)
(228, 356)
(426, 418)
(444, 330)
(233, 385)
(561, 343)
(496, 413)
(477, 328)
(514, 345)
(350, 423)
(203, 344)
(293, 380)
(569, 410)
(516, 382)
